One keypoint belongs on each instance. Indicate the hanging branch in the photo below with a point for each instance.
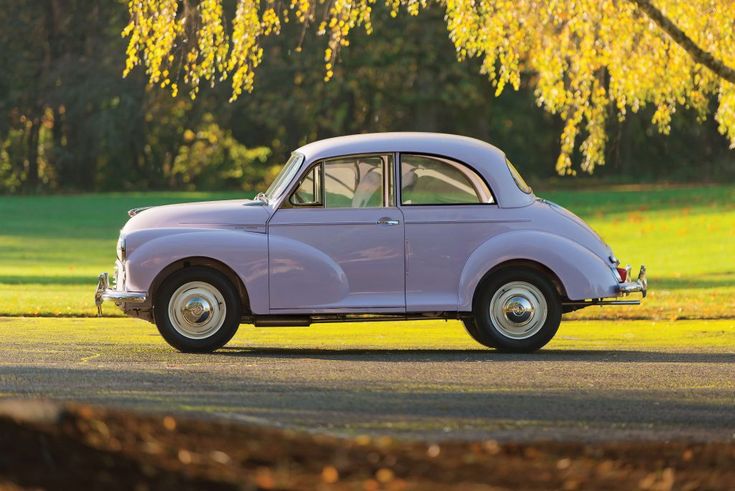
(679, 37)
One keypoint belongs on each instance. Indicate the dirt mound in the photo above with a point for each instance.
(52, 447)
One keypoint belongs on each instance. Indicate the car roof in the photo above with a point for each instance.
(483, 157)
(397, 142)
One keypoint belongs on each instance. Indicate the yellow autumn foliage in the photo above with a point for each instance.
(585, 59)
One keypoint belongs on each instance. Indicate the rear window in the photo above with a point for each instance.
(522, 185)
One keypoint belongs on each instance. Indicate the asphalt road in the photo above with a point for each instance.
(428, 394)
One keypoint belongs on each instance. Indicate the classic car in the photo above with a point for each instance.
(372, 227)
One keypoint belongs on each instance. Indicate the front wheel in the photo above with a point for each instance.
(197, 310)
(516, 310)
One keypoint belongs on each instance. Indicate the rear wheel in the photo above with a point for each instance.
(197, 310)
(516, 310)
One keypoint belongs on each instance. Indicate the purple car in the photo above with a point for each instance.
(388, 226)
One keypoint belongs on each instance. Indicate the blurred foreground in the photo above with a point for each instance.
(93, 448)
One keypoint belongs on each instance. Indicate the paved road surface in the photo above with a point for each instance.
(433, 394)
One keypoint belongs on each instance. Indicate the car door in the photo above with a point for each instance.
(449, 211)
(336, 244)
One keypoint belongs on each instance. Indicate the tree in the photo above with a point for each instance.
(584, 58)
(69, 122)
(67, 109)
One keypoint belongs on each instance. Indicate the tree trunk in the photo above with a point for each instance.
(31, 184)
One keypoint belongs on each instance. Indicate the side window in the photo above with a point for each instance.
(309, 191)
(347, 182)
(437, 181)
(355, 182)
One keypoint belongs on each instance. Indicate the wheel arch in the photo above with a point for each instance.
(204, 262)
(522, 264)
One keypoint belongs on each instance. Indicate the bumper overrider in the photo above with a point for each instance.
(639, 285)
(625, 287)
(105, 293)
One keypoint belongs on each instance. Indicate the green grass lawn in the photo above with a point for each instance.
(52, 248)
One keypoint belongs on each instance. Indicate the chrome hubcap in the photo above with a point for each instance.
(197, 310)
(518, 310)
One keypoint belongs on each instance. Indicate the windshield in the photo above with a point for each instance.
(285, 176)
(518, 179)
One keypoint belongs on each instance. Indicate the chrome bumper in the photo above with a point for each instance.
(105, 293)
(639, 285)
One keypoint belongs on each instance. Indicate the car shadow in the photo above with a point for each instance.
(484, 355)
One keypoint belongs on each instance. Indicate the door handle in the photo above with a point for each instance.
(388, 221)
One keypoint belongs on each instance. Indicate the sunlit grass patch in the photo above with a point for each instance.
(132, 334)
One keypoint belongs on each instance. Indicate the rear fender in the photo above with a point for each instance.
(582, 273)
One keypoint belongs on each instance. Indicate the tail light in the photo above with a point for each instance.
(623, 273)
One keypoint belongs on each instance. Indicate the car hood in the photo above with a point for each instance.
(238, 213)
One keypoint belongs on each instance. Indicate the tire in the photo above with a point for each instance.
(471, 327)
(197, 310)
(516, 311)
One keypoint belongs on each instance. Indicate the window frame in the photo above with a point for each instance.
(388, 160)
(295, 161)
(473, 176)
(302, 178)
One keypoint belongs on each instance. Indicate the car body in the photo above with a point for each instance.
(374, 226)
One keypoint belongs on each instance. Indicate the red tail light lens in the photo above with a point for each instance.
(623, 274)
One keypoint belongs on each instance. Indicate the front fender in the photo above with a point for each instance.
(582, 273)
(294, 266)
(246, 253)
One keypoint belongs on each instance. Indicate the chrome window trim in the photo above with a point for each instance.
(314, 204)
(296, 180)
(285, 186)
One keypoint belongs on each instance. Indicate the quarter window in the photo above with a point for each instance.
(309, 193)
(437, 181)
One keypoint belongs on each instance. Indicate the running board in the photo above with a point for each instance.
(305, 320)
(601, 302)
